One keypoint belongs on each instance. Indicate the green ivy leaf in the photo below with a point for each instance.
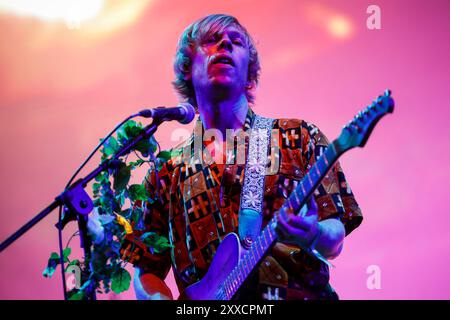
(66, 253)
(138, 192)
(144, 147)
(102, 177)
(77, 296)
(110, 147)
(75, 262)
(53, 262)
(121, 177)
(137, 163)
(96, 188)
(120, 281)
(155, 242)
(132, 129)
(164, 155)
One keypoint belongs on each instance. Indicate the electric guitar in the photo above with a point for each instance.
(232, 263)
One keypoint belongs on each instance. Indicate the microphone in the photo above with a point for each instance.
(183, 113)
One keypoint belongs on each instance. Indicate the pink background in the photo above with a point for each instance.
(62, 89)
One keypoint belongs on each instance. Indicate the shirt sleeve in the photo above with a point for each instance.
(155, 220)
(334, 197)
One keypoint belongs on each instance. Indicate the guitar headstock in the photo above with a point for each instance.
(357, 131)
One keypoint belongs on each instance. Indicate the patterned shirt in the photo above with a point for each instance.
(197, 204)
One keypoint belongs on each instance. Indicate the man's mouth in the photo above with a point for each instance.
(223, 60)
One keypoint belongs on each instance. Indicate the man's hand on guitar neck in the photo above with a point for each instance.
(305, 230)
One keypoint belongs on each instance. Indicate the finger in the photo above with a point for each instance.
(300, 223)
(283, 225)
(312, 207)
(290, 234)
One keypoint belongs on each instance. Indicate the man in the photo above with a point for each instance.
(195, 204)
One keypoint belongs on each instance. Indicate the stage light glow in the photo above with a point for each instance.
(335, 23)
(54, 10)
(339, 27)
(91, 18)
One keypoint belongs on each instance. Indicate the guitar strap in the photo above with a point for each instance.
(252, 193)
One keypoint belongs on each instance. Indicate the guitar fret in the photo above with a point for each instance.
(250, 265)
(318, 171)
(252, 257)
(244, 263)
(254, 248)
(270, 235)
(233, 281)
(227, 289)
(310, 181)
(297, 199)
(249, 262)
(303, 188)
(255, 256)
(261, 247)
(264, 237)
(223, 294)
(325, 157)
(242, 273)
(291, 207)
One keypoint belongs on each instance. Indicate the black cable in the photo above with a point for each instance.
(76, 233)
(61, 255)
(98, 147)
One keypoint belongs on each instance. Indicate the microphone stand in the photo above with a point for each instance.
(78, 204)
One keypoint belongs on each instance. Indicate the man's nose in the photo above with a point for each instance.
(226, 43)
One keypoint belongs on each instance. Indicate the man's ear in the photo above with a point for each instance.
(250, 85)
(187, 76)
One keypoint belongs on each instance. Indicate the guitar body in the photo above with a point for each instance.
(226, 258)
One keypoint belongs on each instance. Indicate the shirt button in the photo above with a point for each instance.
(267, 263)
(324, 204)
(278, 277)
(297, 171)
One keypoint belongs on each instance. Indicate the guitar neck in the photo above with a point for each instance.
(268, 236)
(312, 179)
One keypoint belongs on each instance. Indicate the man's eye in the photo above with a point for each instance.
(238, 42)
(211, 39)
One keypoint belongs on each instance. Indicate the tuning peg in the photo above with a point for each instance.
(387, 93)
(379, 100)
(357, 128)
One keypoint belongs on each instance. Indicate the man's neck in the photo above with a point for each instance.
(223, 114)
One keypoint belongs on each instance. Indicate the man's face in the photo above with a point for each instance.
(221, 61)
